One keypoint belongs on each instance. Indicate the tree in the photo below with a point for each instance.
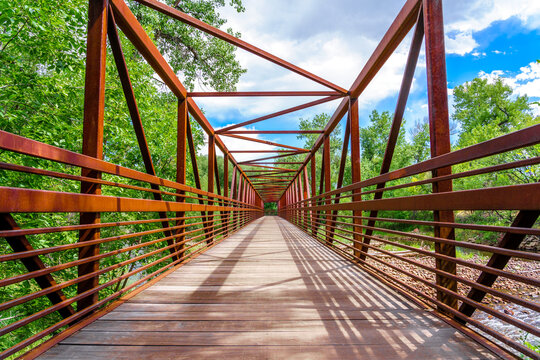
(420, 140)
(42, 70)
(198, 56)
(493, 106)
(319, 122)
(486, 110)
(373, 142)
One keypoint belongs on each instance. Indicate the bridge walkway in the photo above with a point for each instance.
(268, 292)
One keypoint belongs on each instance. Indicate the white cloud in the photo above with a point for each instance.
(464, 17)
(526, 82)
(460, 43)
(335, 42)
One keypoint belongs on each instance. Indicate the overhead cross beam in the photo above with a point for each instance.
(279, 113)
(220, 34)
(263, 93)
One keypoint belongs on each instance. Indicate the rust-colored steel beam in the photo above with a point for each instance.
(404, 21)
(307, 195)
(277, 163)
(511, 241)
(279, 113)
(38, 201)
(181, 166)
(233, 183)
(19, 244)
(327, 183)
(195, 168)
(135, 33)
(263, 93)
(123, 73)
(142, 42)
(211, 171)
(268, 158)
(313, 176)
(406, 83)
(226, 190)
(178, 15)
(129, 95)
(269, 178)
(439, 138)
(342, 163)
(94, 108)
(275, 132)
(216, 175)
(274, 183)
(268, 151)
(502, 198)
(270, 169)
(263, 142)
(355, 170)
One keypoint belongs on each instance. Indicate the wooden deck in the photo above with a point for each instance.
(268, 292)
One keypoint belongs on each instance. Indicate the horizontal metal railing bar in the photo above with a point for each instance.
(515, 197)
(512, 141)
(55, 174)
(493, 228)
(480, 247)
(25, 146)
(506, 166)
(34, 201)
(516, 322)
(509, 297)
(51, 269)
(516, 277)
(48, 230)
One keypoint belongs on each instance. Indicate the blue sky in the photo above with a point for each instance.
(486, 38)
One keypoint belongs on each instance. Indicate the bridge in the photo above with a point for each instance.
(150, 267)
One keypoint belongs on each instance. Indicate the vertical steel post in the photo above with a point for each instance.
(211, 161)
(356, 173)
(226, 190)
(439, 137)
(94, 109)
(326, 166)
(307, 195)
(181, 155)
(314, 193)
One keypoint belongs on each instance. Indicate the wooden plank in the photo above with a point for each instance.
(254, 325)
(269, 291)
(249, 338)
(312, 352)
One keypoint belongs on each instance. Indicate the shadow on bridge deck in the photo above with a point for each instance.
(271, 292)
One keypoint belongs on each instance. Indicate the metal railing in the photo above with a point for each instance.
(70, 267)
(441, 282)
(106, 230)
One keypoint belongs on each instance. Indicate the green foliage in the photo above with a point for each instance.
(487, 110)
(480, 104)
(197, 55)
(319, 122)
(373, 142)
(42, 76)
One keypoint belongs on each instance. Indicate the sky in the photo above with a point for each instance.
(334, 39)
